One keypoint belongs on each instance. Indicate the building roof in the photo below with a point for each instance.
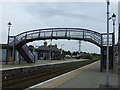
(3, 46)
(43, 48)
(47, 48)
(54, 48)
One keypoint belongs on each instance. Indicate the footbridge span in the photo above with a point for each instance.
(19, 41)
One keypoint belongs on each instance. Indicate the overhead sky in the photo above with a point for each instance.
(119, 12)
(26, 16)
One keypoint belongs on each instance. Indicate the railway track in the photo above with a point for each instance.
(34, 78)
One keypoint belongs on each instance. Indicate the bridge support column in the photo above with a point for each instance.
(104, 57)
(101, 60)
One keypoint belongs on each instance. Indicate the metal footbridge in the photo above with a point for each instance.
(99, 39)
(19, 41)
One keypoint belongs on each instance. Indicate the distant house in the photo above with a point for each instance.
(43, 52)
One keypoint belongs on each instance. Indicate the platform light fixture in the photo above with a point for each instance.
(7, 53)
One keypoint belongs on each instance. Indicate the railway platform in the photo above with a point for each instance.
(3, 66)
(87, 76)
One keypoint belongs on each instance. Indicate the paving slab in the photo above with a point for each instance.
(88, 76)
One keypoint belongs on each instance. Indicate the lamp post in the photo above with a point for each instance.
(72, 52)
(79, 47)
(50, 51)
(7, 53)
(107, 61)
(113, 19)
(61, 50)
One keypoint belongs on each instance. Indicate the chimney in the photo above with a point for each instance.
(45, 43)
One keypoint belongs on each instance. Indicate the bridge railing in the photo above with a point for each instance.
(68, 33)
(104, 39)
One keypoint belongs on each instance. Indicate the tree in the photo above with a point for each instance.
(31, 46)
(68, 53)
(75, 53)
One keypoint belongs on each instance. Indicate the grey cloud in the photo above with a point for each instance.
(27, 16)
(119, 12)
(69, 10)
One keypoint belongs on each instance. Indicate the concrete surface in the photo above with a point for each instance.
(85, 77)
(3, 66)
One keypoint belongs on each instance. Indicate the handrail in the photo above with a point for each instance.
(56, 29)
(32, 56)
(71, 33)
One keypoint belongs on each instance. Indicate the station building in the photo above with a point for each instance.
(41, 53)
